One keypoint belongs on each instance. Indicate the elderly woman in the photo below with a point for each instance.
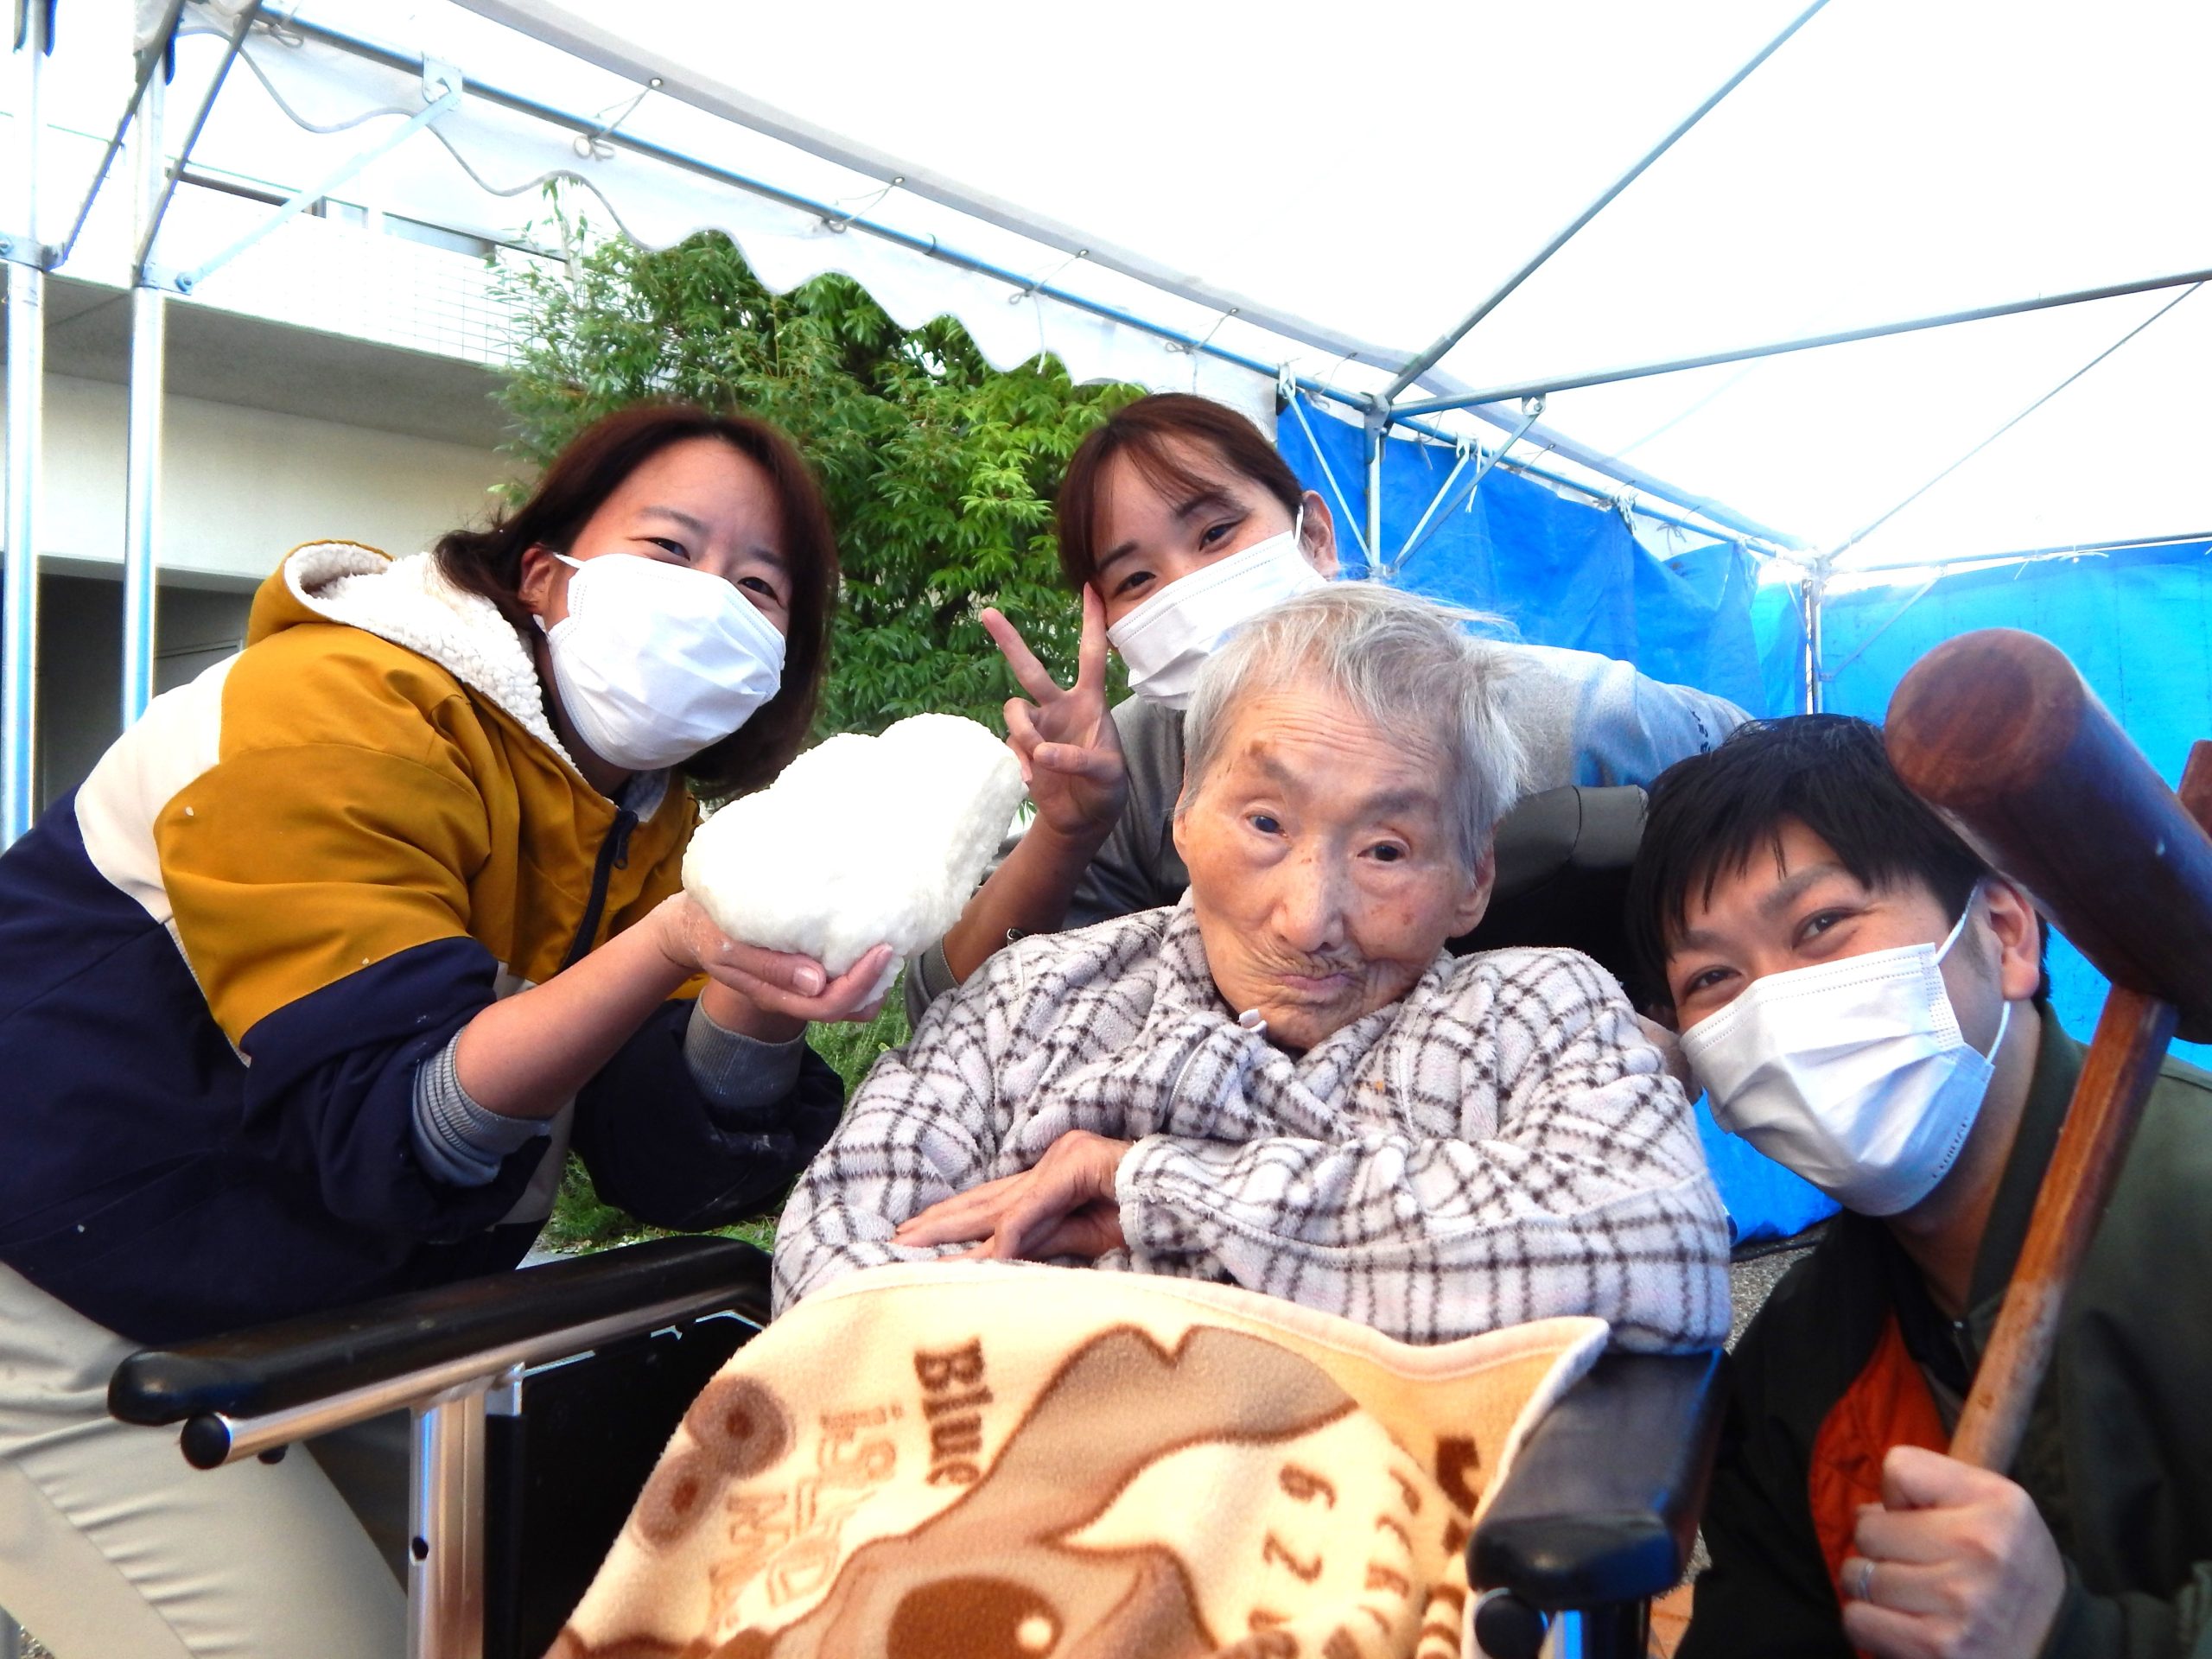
(1282, 1081)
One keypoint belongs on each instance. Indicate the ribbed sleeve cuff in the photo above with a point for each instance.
(459, 1142)
(734, 1070)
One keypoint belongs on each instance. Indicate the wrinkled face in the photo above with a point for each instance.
(1147, 539)
(1803, 908)
(700, 504)
(1324, 872)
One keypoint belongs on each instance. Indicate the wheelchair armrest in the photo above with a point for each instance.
(441, 1336)
(1602, 1504)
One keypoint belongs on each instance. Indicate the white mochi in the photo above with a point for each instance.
(862, 840)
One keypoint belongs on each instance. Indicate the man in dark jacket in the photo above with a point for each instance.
(1863, 998)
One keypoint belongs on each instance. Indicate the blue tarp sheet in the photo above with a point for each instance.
(1563, 572)
(1567, 573)
(2137, 623)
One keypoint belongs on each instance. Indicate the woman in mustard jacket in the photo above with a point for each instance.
(307, 990)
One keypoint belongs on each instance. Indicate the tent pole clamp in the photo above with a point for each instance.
(26, 251)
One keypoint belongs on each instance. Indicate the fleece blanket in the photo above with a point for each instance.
(971, 1460)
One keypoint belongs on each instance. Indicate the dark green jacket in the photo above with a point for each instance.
(2117, 1456)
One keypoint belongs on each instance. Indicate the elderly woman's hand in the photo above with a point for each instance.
(1062, 1206)
(1070, 751)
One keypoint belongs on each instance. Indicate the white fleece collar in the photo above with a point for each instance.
(409, 602)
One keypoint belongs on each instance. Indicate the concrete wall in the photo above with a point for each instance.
(240, 486)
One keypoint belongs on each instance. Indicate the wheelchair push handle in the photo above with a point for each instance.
(1997, 731)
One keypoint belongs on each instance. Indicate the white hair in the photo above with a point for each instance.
(1407, 664)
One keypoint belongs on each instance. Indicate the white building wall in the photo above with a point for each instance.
(240, 487)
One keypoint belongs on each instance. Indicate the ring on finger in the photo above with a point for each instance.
(1863, 1590)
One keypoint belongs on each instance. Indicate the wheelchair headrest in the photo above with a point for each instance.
(1563, 859)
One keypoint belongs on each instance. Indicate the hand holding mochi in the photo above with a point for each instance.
(862, 840)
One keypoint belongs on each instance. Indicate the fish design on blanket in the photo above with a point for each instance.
(1049, 1481)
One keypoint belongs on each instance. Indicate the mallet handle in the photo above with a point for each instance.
(2116, 1079)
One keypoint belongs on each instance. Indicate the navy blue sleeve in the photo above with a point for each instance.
(330, 1092)
(659, 1148)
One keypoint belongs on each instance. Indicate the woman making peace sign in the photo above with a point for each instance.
(1179, 522)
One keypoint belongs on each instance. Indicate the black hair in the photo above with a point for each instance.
(588, 470)
(1711, 814)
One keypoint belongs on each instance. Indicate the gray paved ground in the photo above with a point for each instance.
(1749, 1282)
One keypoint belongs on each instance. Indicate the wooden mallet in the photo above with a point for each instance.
(1997, 731)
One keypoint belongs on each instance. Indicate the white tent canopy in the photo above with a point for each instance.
(1326, 193)
(1650, 215)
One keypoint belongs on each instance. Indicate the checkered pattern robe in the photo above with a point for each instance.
(1499, 1145)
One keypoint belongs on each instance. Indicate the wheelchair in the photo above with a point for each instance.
(541, 1398)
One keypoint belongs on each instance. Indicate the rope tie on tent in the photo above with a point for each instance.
(840, 223)
(281, 29)
(1195, 346)
(1464, 449)
(593, 146)
(1030, 292)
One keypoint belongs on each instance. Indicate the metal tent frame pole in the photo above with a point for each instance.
(1875, 524)
(1429, 359)
(154, 184)
(1802, 343)
(1377, 434)
(1485, 463)
(686, 83)
(26, 255)
(143, 472)
(489, 92)
(151, 61)
(1813, 595)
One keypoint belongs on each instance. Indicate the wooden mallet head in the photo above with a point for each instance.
(1997, 731)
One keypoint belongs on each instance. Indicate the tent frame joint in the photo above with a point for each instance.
(240, 27)
(448, 98)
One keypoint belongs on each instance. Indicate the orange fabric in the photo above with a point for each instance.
(1887, 1404)
(1670, 1622)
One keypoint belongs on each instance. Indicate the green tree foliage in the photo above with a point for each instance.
(940, 470)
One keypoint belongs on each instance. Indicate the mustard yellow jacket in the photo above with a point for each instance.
(224, 957)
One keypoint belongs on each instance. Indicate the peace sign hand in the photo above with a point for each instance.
(1071, 754)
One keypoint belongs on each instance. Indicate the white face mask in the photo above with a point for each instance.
(1166, 640)
(1851, 1073)
(655, 662)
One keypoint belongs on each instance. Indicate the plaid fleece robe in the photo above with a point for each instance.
(1500, 1144)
